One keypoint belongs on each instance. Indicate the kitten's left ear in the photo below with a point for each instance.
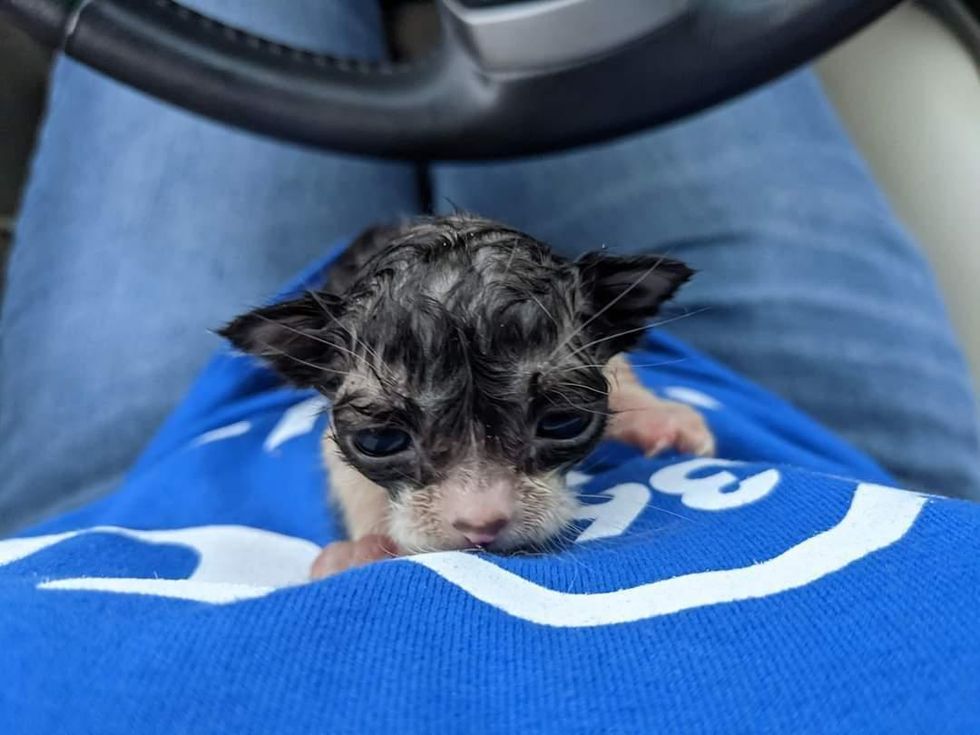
(626, 292)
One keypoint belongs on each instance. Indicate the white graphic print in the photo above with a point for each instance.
(236, 562)
(296, 421)
(878, 517)
(240, 563)
(692, 397)
(708, 493)
(225, 432)
(611, 518)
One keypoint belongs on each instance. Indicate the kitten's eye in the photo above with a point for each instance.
(381, 441)
(563, 424)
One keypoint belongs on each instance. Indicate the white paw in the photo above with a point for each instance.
(654, 425)
(340, 556)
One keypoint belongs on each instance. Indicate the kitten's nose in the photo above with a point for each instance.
(483, 532)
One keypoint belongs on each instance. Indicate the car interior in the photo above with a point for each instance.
(907, 87)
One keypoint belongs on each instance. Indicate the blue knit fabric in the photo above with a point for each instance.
(782, 589)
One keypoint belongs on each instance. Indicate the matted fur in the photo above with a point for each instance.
(463, 332)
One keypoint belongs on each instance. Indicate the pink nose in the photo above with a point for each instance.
(483, 533)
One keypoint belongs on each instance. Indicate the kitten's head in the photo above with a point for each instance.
(464, 363)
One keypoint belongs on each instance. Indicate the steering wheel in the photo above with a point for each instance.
(508, 77)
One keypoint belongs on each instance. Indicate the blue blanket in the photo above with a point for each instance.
(784, 588)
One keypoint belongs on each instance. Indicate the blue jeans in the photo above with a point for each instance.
(144, 226)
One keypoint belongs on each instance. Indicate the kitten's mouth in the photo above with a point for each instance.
(482, 542)
(524, 541)
(503, 544)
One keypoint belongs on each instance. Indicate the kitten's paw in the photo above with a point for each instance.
(654, 425)
(340, 556)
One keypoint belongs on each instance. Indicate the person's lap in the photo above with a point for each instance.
(807, 283)
(143, 227)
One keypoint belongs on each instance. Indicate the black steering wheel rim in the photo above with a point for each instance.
(448, 105)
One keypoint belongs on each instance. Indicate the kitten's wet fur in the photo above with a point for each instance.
(463, 333)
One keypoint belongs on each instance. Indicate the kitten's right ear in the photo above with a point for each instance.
(291, 338)
(624, 293)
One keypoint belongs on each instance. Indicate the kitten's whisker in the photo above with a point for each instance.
(510, 260)
(538, 302)
(277, 351)
(679, 317)
(637, 329)
(323, 307)
(581, 407)
(307, 335)
(604, 364)
(359, 359)
(378, 362)
(586, 387)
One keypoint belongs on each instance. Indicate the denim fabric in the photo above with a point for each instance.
(144, 226)
(808, 284)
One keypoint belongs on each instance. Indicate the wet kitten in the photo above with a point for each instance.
(469, 368)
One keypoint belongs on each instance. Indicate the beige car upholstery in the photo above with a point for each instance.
(909, 92)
